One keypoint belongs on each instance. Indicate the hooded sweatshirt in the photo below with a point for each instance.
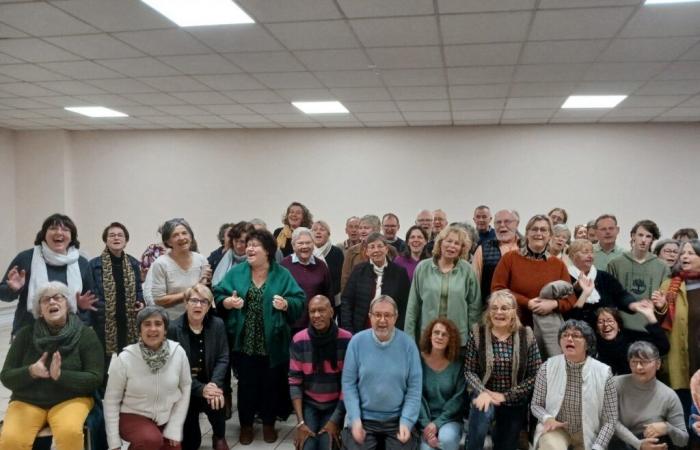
(640, 279)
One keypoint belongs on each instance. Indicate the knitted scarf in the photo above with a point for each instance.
(324, 347)
(379, 272)
(155, 359)
(672, 295)
(42, 256)
(110, 297)
(284, 236)
(324, 250)
(64, 341)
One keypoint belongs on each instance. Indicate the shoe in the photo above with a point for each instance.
(269, 433)
(218, 443)
(247, 434)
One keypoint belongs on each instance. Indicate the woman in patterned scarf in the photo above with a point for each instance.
(296, 215)
(118, 290)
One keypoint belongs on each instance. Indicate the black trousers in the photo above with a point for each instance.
(191, 433)
(261, 389)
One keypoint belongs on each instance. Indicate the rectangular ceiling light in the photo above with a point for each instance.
(592, 101)
(195, 13)
(321, 107)
(95, 111)
(664, 2)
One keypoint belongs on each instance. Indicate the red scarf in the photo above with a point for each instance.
(672, 295)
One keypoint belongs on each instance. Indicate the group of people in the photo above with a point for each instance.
(550, 333)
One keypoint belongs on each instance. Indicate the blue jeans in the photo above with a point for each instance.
(315, 419)
(509, 423)
(449, 435)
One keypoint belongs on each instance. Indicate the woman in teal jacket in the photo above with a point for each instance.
(262, 301)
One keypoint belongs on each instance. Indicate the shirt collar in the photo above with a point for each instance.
(295, 260)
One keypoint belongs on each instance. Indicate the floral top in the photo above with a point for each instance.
(254, 328)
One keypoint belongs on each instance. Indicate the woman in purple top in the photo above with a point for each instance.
(416, 240)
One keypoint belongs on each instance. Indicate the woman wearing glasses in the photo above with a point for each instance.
(203, 337)
(501, 365)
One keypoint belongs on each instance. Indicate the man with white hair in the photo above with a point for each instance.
(489, 252)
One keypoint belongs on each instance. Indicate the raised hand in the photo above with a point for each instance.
(16, 278)
(86, 301)
(234, 301)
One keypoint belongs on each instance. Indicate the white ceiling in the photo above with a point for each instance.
(391, 62)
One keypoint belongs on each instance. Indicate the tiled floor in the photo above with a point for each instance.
(232, 430)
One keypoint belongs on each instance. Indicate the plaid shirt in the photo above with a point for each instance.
(571, 407)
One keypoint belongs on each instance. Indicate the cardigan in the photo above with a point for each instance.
(360, 290)
(276, 323)
(215, 349)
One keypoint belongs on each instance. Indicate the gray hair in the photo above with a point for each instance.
(664, 242)
(585, 330)
(373, 237)
(322, 223)
(54, 287)
(298, 231)
(643, 350)
(258, 222)
(559, 229)
(149, 311)
(383, 299)
(373, 221)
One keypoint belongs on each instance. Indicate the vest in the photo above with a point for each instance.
(490, 255)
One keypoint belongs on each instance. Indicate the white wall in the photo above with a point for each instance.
(7, 198)
(212, 176)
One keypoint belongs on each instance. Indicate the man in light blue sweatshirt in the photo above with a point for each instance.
(382, 383)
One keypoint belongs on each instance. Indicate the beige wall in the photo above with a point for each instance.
(211, 176)
(7, 198)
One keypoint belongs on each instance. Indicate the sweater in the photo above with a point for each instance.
(640, 279)
(407, 263)
(322, 390)
(443, 395)
(132, 388)
(276, 323)
(463, 298)
(614, 352)
(361, 289)
(167, 278)
(313, 278)
(601, 258)
(23, 261)
(612, 294)
(82, 370)
(525, 278)
(643, 403)
(382, 381)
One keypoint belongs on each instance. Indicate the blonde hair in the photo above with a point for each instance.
(462, 236)
(578, 245)
(508, 297)
(200, 289)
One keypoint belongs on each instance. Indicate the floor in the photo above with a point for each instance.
(286, 433)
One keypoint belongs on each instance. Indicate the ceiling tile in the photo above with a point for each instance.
(313, 35)
(576, 51)
(7, 59)
(670, 88)
(538, 89)
(681, 70)
(650, 101)
(470, 6)
(26, 103)
(523, 121)
(71, 87)
(42, 19)
(535, 102)
(427, 115)
(483, 28)
(95, 46)
(59, 101)
(111, 16)
(476, 115)
(288, 80)
(418, 92)
(309, 95)
(406, 57)
(478, 104)
(34, 50)
(139, 110)
(579, 23)
(349, 78)
(664, 21)
(375, 107)
(163, 42)
(480, 75)
(607, 87)
(175, 84)
(636, 112)
(230, 82)
(29, 72)
(246, 118)
(139, 67)
(266, 62)
(341, 59)
(226, 109)
(26, 90)
(379, 116)
(415, 77)
(528, 113)
(550, 72)
(200, 64)
(239, 38)
(397, 31)
(276, 108)
(254, 96)
(684, 112)
(623, 71)
(482, 54)
(203, 98)
(479, 91)
(122, 86)
(373, 8)
(290, 10)
(692, 54)
(81, 70)
(647, 49)
(361, 93)
(155, 99)
(181, 110)
(557, 4)
(692, 102)
(423, 105)
(7, 32)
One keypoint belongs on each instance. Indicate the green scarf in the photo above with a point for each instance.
(64, 341)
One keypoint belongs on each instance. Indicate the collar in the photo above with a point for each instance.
(296, 260)
(385, 343)
(526, 252)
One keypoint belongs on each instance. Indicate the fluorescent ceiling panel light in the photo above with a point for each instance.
(321, 107)
(666, 2)
(195, 13)
(95, 111)
(592, 101)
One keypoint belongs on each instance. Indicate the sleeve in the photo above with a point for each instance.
(221, 365)
(626, 436)
(158, 276)
(403, 290)
(147, 288)
(471, 366)
(346, 271)
(92, 357)
(112, 401)
(523, 389)
(567, 303)
(173, 429)
(692, 419)
(347, 303)
(327, 284)
(137, 279)
(657, 336)
(675, 421)
(225, 288)
(7, 294)
(424, 414)
(350, 380)
(473, 298)
(609, 415)
(413, 306)
(478, 262)
(621, 297)
(539, 396)
(15, 374)
(501, 279)
(295, 296)
(454, 406)
(414, 389)
(296, 371)
(338, 415)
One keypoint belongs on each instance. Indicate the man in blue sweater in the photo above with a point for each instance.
(382, 383)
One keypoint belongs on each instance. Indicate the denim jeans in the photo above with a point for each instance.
(315, 419)
(506, 431)
(449, 435)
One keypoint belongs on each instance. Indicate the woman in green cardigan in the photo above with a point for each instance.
(52, 368)
(262, 301)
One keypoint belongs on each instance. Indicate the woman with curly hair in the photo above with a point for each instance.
(443, 386)
(296, 215)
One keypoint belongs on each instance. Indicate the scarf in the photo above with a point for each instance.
(489, 356)
(324, 347)
(110, 298)
(324, 250)
(155, 359)
(672, 295)
(64, 341)
(284, 236)
(229, 260)
(576, 273)
(379, 272)
(39, 276)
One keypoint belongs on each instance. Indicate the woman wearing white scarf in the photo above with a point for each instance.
(332, 255)
(235, 254)
(54, 257)
(606, 290)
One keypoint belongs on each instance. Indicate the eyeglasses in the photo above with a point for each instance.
(55, 297)
(574, 336)
(440, 333)
(500, 308)
(607, 322)
(641, 362)
(198, 301)
(385, 316)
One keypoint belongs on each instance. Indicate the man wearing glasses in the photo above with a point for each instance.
(490, 251)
